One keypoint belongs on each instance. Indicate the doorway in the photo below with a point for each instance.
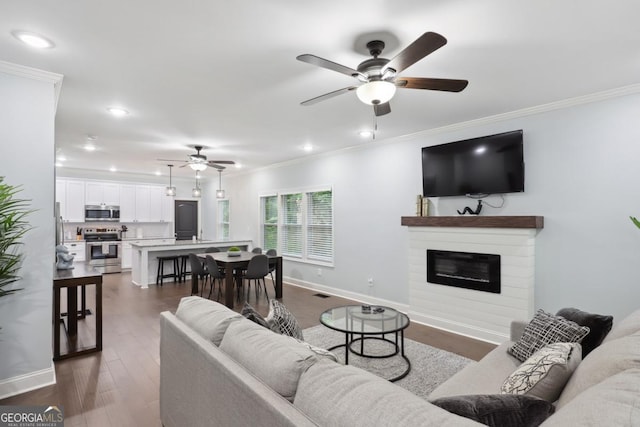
(186, 220)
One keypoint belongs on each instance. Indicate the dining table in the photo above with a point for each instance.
(233, 265)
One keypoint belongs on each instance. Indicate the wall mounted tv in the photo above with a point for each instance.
(485, 165)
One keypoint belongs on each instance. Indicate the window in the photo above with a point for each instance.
(299, 225)
(269, 226)
(320, 226)
(291, 227)
(223, 219)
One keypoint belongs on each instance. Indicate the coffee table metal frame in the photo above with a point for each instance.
(355, 321)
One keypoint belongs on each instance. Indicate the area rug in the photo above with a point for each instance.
(430, 366)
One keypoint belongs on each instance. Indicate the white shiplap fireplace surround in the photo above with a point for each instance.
(481, 315)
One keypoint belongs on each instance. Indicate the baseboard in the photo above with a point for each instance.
(416, 317)
(24, 383)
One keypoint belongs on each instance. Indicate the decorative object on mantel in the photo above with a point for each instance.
(64, 261)
(233, 251)
(467, 209)
(422, 206)
(474, 221)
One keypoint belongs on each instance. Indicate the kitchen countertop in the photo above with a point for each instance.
(188, 243)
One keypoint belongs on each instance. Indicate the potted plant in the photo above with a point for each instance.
(635, 221)
(233, 251)
(13, 227)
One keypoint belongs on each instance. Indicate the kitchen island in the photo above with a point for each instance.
(145, 255)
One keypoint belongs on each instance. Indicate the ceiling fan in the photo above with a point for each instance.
(199, 162)
(378, 77)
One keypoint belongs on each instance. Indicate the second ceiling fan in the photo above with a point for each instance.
(378, 77)
(199, 162)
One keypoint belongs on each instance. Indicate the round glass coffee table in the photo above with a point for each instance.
(361, 323)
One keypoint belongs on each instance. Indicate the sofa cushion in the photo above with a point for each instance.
(613, 402)
(284, 320)
(342, 395)
(599, 326)
(484, 377)
(278, 360)
(498, 410)
(603, 362)
(627, 326)
(544, 329)
(209, 318)
(544, 374)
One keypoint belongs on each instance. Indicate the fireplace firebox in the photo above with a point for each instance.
(467, 270)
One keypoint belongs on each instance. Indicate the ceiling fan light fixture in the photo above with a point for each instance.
(198, 166)
(376, 92)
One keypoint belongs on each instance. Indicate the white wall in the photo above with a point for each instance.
(27, 110)
(582, 175)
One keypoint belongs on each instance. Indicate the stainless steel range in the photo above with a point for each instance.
(104, 249)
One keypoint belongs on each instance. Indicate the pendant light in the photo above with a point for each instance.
(220, 192)
(196, 192)
(170, 190)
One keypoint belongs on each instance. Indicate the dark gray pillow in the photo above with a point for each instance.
(250, 313)
(499, 410)
(599, 326)
(545, 329)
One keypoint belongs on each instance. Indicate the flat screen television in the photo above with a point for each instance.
(485, 165)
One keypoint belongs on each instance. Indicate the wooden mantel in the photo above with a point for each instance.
(474, 221)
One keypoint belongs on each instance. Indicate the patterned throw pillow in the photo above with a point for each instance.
(250, 313)
(545, 329)
(545, 374)
(286, 322)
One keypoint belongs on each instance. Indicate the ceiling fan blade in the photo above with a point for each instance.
(382, 109)
(446, 85)
(215, 166)
(328, 95)
(222, 162)
(170, 160)
(325, 63)
(421, 47)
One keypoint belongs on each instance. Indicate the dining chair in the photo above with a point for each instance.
(199, 270)
(272, 266)
(256, 250)
(214, 274)
(256, 271)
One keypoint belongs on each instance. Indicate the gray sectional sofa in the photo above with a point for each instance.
(218, 368)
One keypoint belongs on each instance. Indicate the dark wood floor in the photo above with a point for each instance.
(120, 386)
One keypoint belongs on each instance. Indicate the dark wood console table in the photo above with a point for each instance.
(80, 276)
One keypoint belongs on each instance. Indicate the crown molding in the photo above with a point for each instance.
(35, 74)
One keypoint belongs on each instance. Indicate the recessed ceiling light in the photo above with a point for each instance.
(113, 169)
(33, 39)
(365, 133)
(61, 158)
(308, 148)
(90, 147)
(58, 164)
(118, 112)
(238, 165)
(158, 173)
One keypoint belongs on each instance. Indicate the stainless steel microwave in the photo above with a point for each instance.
(101, 213)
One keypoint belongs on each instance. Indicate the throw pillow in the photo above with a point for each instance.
(286, 322)
(544, 374)
(499, 410)
(250, 313)
(545, 329)
(598, 324)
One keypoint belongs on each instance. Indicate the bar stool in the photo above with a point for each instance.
(175, 274)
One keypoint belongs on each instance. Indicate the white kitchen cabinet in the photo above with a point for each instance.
(127, 203)
(70, 194)
(102, 193)
(77, 249)
(156, 199)
(143, 205)
(167, 208)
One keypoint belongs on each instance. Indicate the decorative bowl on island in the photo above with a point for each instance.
(233, 251)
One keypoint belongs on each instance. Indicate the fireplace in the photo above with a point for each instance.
(467, 270)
